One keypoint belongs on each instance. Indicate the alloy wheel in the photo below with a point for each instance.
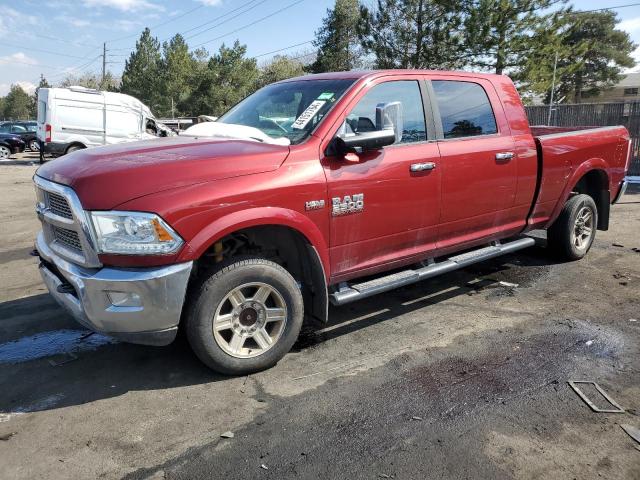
(250, 320)
(583, 228)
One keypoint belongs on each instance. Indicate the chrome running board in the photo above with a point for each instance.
(350, 293)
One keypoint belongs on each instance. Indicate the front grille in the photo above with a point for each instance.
(58, 205)
(66, 237)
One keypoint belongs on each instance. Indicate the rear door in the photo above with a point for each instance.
(479, 174)
(395, 210)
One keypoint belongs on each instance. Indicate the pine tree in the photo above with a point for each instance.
(280, 68)
(141, 77)
(178, 70)
(413, 33)
(227, 79)
(337, 40)
(591, 55)
(498, 32)
(18, 104)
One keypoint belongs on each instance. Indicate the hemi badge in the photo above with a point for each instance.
(314, 205)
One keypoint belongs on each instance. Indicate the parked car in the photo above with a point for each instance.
(9, 145)
(25, 130)
(377, 180)
(74, 118)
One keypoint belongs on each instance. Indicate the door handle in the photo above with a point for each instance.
(504, 156)
(421, 167)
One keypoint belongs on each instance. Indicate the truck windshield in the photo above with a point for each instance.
(290, 109)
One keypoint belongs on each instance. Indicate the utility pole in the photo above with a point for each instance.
(104, 62)
(553, 87)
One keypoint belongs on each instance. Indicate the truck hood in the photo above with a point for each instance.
(105, 177)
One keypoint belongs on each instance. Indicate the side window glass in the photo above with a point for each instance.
(18, 129)
(465, 109)
(363, 116)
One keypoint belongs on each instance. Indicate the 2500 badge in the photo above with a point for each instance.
(349, 204)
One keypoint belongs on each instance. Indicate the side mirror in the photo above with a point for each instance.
(389, 116)
(388, 130)
(365, 141)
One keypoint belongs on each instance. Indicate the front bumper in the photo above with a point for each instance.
(153, 297)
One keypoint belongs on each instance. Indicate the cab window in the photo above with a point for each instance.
(465, 110)
(363, 116)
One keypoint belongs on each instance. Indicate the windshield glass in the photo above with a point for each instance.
(288, 110)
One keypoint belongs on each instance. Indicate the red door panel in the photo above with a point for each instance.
(401, 208)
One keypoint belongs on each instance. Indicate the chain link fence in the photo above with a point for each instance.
(595, 114)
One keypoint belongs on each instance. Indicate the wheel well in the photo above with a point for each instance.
(595, 183)
(74, 144)
(283, 245)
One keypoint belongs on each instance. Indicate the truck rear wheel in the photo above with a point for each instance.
(244, 316)
(572, 234)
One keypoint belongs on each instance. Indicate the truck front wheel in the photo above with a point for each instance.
(244, 316)
(572, 234)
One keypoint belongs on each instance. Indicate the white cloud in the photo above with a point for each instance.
(630, 25)
(211, 3)
(7, 20)
(126, 25)
(636, 56)
(26, 86)
(73, 21)
(124, 5)
(17, 59)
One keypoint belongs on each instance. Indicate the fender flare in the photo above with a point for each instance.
(576, 175)
(254, 217)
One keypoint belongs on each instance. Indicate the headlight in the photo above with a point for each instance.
(133, 233)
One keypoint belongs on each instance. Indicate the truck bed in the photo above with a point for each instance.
(565, 153)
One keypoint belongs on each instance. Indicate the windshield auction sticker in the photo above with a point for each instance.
(308, 114)
(325, 96)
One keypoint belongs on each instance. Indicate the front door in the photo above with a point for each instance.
(384, 210)
(479, 173)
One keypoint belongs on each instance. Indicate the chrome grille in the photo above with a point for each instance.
(68, 238)
(58, 205)
(65, 226)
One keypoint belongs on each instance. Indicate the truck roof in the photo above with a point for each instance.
(360, 74)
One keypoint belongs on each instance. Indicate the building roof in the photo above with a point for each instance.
(629, 80)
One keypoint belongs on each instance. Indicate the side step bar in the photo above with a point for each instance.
(350, 293)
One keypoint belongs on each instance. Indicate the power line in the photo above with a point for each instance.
(604, 8)
(250, 24)
(284, 48)
(224, 21)
(173, 19)
(57, 39)
(22, 47)
(221, 16)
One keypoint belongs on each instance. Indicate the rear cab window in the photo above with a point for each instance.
(465, 109)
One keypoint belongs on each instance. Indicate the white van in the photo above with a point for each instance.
(76, 117)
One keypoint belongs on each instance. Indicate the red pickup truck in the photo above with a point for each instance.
(323, 188)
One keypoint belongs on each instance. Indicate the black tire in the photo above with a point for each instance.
(560, 236)
(34, 145)
(210, 293)
(74, 148)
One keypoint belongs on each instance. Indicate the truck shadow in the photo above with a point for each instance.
(105, 370)
(521, 269)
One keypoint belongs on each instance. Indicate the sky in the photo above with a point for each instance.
(61, 37)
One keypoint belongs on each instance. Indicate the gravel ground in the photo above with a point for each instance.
(457, 377)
